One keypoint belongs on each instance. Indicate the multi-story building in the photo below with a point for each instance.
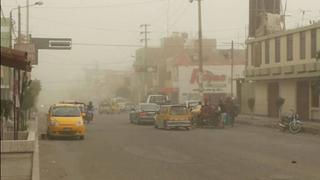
(5, 74)
(284, 64)
(183, 75)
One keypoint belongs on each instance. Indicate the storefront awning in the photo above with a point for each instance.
(14, 59)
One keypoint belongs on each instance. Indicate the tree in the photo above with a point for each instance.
(30, 93)
(280, 102)
(251, 104)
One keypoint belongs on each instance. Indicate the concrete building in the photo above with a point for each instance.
(183, 75)
(5, 72)
(284, 64)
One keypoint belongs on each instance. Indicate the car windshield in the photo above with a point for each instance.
(178, 110)
(65, 112)
(149, 107)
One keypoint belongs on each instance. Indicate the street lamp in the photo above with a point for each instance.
(38, 3)
(200, 49)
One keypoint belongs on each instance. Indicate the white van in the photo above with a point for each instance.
(158, 99)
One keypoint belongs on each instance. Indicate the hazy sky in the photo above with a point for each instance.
(106, 22)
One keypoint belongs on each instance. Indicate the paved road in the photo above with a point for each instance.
(116, 150)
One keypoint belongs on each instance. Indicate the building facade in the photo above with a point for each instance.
(183, 76)
(285, 65)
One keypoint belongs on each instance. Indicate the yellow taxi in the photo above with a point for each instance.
(173, 116)
(65, 120)
(81, 105)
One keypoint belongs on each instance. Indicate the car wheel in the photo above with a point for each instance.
(165, 125)
(49, 135)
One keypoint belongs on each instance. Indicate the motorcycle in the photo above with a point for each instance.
(292, 123)
(89, 116)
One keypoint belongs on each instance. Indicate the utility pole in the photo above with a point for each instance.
(27, 5)
(19, 25)
(200, 49)
(232, 49)
(10, 30)
(145, 39)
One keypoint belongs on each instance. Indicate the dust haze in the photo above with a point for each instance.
(112, 30)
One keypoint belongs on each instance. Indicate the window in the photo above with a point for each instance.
(256, 55)
(302, 45)
(315, 95)
(277, 50)
(267, 51)
(178, 110)
(290, 47)
(313, 43)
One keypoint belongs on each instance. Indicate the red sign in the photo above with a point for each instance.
(207, 77)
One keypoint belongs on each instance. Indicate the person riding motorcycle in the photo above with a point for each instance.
(89, 114)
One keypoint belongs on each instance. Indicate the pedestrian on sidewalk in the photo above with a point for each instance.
(222, 111)
(231, 110)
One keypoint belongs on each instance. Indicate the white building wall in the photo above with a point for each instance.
(185, 73)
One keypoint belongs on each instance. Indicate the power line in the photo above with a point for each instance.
(105, 6)
(108, 45)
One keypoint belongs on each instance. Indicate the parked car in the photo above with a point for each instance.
(105, 108)
(173, 116)
(144, 113)
(65, 120)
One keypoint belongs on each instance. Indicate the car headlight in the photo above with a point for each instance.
(53, 122)
(79, 123)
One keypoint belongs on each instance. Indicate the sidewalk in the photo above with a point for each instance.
(308, 126)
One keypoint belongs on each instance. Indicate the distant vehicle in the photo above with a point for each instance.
(158, 99)
(144, 113)
(65, 120)
(173, 116)
(120, 103)
(105, 108)
(129, 106)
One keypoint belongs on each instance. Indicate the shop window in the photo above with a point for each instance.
(313, 43)
(290, 47)
(303, 45)
(277, 50)
(315, 94)
(267, 51)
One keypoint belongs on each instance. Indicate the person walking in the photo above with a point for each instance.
(222, 111)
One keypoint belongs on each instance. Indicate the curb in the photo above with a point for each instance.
(35, 161)
(274, 125)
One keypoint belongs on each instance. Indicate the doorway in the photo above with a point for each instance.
(273, 95)
(303, 99)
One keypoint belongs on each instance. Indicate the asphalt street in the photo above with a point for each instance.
(114, 149)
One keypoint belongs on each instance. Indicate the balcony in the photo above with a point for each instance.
(284, 72)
